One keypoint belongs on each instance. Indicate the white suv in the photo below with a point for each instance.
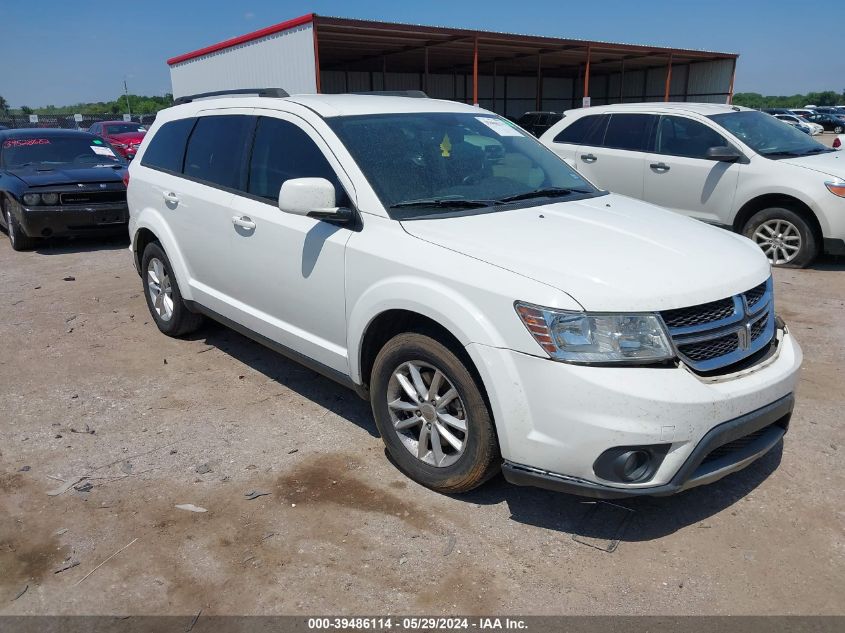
(498, 310)
(734, 167)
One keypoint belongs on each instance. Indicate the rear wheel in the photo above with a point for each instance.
(838, 129)
(162, 293)
(432, 415)
(785, 237)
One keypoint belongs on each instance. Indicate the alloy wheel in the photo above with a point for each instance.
(427, 413)
(780, 240)
(160, 288)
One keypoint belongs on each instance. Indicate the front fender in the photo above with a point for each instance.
(152, 220)
(429, 298)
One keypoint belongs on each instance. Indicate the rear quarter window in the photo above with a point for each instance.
(166, 150)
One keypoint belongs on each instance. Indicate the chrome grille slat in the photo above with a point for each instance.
(711, 336)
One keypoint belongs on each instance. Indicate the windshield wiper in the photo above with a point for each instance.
(793, 153)
(550, 192)
(445, 203)
(817, 150)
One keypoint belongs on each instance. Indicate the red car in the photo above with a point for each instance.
(124, 136)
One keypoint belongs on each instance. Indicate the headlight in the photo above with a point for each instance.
(31, 199)
(582, 337)
(836, 188)
(50, 198)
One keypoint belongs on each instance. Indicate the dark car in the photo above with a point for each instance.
(60, 183)
(774, 111)
(830, 122)
(124, 136)
(538, 122)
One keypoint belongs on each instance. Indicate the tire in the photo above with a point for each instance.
(166, 306)
(19, 240)
(403, 426)
(777, 230)
(838, 129)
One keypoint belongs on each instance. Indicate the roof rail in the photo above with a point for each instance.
(414, 94)
(261, 92)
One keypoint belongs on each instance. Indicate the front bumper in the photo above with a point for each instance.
(69, 220)
(766, 426)
(554, 420)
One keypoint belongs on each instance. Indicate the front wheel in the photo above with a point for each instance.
(432, 415)
(19, 240)
(785, 237)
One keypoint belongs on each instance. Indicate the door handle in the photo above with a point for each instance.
(169, 196)
(661, 167)
(244, 222)
(589, 158)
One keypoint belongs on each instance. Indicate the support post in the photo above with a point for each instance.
(494, 85)
(587, 73)
(731, 89)
(425, 76)
(538, 106)
(668, 79)
(316, 59)
(622, 83)
(475, 72)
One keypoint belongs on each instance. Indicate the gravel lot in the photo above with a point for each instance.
(90, 388)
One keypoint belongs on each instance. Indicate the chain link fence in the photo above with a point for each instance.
(67, 121)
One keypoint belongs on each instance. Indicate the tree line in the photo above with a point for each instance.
(756, 100)
(139, 104)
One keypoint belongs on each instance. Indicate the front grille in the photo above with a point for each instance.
(753, 296)
(698, 315)
(716, 336)
(711, 348)
(758, 327)
(93, 197)
(734, 446)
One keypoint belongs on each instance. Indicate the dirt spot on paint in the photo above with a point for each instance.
(331, 480)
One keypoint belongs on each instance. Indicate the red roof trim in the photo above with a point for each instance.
(281, 26)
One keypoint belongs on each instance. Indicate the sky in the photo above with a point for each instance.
(55, 52)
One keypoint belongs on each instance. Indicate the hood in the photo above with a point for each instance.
(128, 137)
(35, 178)
(831, 163)
(610, 253)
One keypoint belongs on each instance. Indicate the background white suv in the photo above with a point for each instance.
(730, 166)
(491, 303)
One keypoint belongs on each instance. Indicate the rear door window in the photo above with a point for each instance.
(629, 131)
(680, 136)
(167, 147)
(282, 151)
(217, 148)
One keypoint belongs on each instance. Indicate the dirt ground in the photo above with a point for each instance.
(88, 387)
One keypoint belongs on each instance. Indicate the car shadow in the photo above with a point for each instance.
(645, 518)
(320, 390)
(649, 517)
(829, 262)
(68, 245)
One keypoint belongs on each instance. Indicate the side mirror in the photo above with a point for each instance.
(723, 153)
(312, 197)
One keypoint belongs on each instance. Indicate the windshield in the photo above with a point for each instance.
(768, 136)
(422, 163)
(46, 151)
(125, 128)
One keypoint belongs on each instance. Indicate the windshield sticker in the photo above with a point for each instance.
(97, 141)
(102, 151)
(25, 142)
(498, 126)
(445, 146)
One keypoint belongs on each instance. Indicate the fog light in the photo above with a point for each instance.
(632, 465)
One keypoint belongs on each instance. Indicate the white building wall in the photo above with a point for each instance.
(280, 60)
